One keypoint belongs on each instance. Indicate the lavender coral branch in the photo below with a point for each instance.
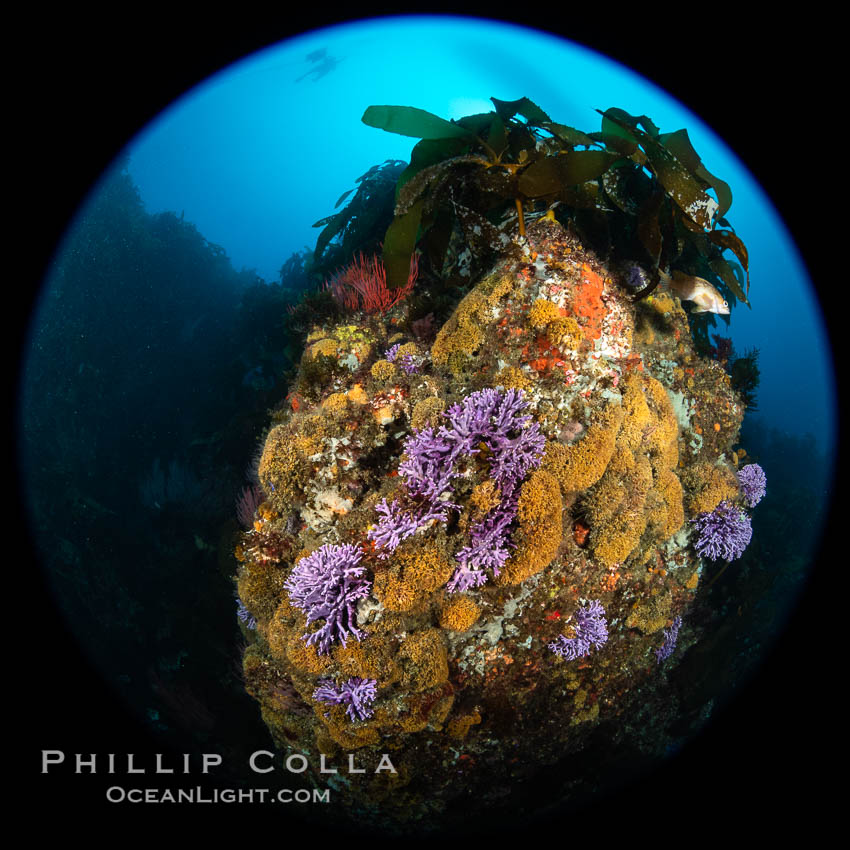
(514, 446)
(753, 484)
(396, 524)
(489, 548)
(671, 637)
(427, 466)
(723, 533)
(244, 615)
(590, 629)
(409, 364)
(326, 585)
(490, 416)
(356, 693)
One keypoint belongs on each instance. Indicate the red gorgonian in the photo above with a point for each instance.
(362, 285)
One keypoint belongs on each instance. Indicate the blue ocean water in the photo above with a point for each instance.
(138, 380)
(255, 155)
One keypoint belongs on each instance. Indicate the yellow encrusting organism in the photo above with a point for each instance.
(461, 335)
(336, 405)
(458, 613)
(383, 370)
(613, 541)
(260, 587)
(427, 569)
(427, 413)
(282, 469)
(604, 499)
(670, 489)
(637, 502)
(327, 347)
(485, 497)
(542, 312)
(512, 378)
(410, 575)
(304, 657)
(709, 485)
(367, 659)
(566, 332)
(423, 660)
(539, 511)
(408, 348)
(652, 615)
(580, 465)
(459, 726)
(393, 592)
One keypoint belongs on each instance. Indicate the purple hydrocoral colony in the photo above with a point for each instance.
(487, 416)
(358, 694)
(489, 548)
(753, 483)
(391, 353)
(244, 614)
(723, 533)
(490, 417)
(427, 467)
(409, 364)
(326, 585)
(591, 629)
(671, 636)
(397, 525)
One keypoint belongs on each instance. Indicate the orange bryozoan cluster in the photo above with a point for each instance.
(362, 285)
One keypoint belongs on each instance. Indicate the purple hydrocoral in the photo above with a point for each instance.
(326, 585)
(723, 533)
(427, 467)
(409, 364)
(494, 415)
(244, 614)
(358, 694)
(671, 636)
(489, 548)
(488, 416)
(590, 629)
(753, 484)
(397, 524)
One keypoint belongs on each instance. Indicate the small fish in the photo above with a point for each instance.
(701, 292)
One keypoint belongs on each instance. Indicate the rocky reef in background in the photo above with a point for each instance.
(474, 686)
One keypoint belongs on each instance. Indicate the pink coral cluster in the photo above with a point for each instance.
(362, 285)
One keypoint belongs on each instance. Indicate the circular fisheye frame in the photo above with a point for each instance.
(411, 442)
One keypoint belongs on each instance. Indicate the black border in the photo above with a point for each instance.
(86, 84)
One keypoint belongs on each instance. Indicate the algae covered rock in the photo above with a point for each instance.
(518, 499)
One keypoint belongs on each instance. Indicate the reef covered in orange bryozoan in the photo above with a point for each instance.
(473, 677)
